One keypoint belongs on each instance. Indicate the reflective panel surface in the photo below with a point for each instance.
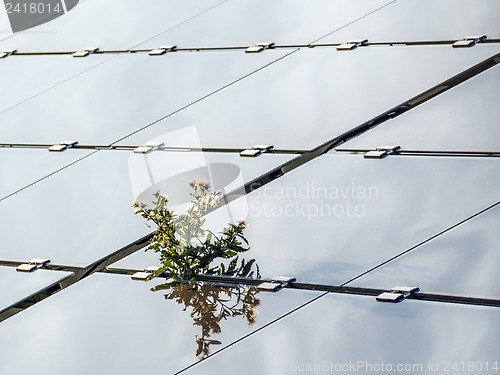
(284, 22)
(25, 77)
(314, 95)
(22, 167)
(125, 94)
(463, 261)
(84, 212)
(461, 119)
(343, 334)
(17, 285)
(332, 221)
(118, 24)
(339, 215)
(417, 20)
(127, 328)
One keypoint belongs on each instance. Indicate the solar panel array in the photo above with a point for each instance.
(377, 172)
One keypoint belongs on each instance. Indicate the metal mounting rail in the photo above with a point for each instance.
(230, 281)
(173, 49)
(409, 152)
(132, 148)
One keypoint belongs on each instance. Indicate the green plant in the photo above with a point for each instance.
(185, 248)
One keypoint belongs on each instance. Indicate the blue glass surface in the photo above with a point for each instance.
(463, 261)
(247, 22)
(126, 93)
(315, 95)
(22, 167)
(26, 77)
(343, 334)
(339, 215)
(17, 285)
(417, 20)
(84, 213)
(123, 327)
(461, 119)
(326, 222)
(115, 24)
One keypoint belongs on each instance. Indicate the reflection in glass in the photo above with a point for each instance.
(209, 304)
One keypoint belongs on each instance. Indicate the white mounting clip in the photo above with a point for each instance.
(162, 50)
(469, 41)
(7, 52)
(61, 146)
(381, 152)
(85, 52)
(397, 294)
(259, 47)
(148, 147)
(145, 275)
(352, 44)
(275, 284)
(256, 150)
(33, 265)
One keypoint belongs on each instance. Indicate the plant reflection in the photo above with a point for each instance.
(210, 304)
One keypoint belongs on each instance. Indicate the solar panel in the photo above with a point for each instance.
(25, 78)
(138, 330)
(314, 95)
(437, 20)
(352, 143)
(21, 285)
(462, 119)
(117, 24)
(124, 94)
(461, 262)
(353, 332)
(246, 23)
(23, 167)
(71, 213)
(339, 215)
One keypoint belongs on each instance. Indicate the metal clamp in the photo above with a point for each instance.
(397, 294)
(61, 146)
(148, 147)
(469, 41)
(276, 283)
(162, 50)
(352, 44)
(381, 152)
(33, 265)
(85, 52)
(7, 52)
(256, 150)
(259, 47)
(145, 275)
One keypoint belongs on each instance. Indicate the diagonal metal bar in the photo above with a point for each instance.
(78, 275)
